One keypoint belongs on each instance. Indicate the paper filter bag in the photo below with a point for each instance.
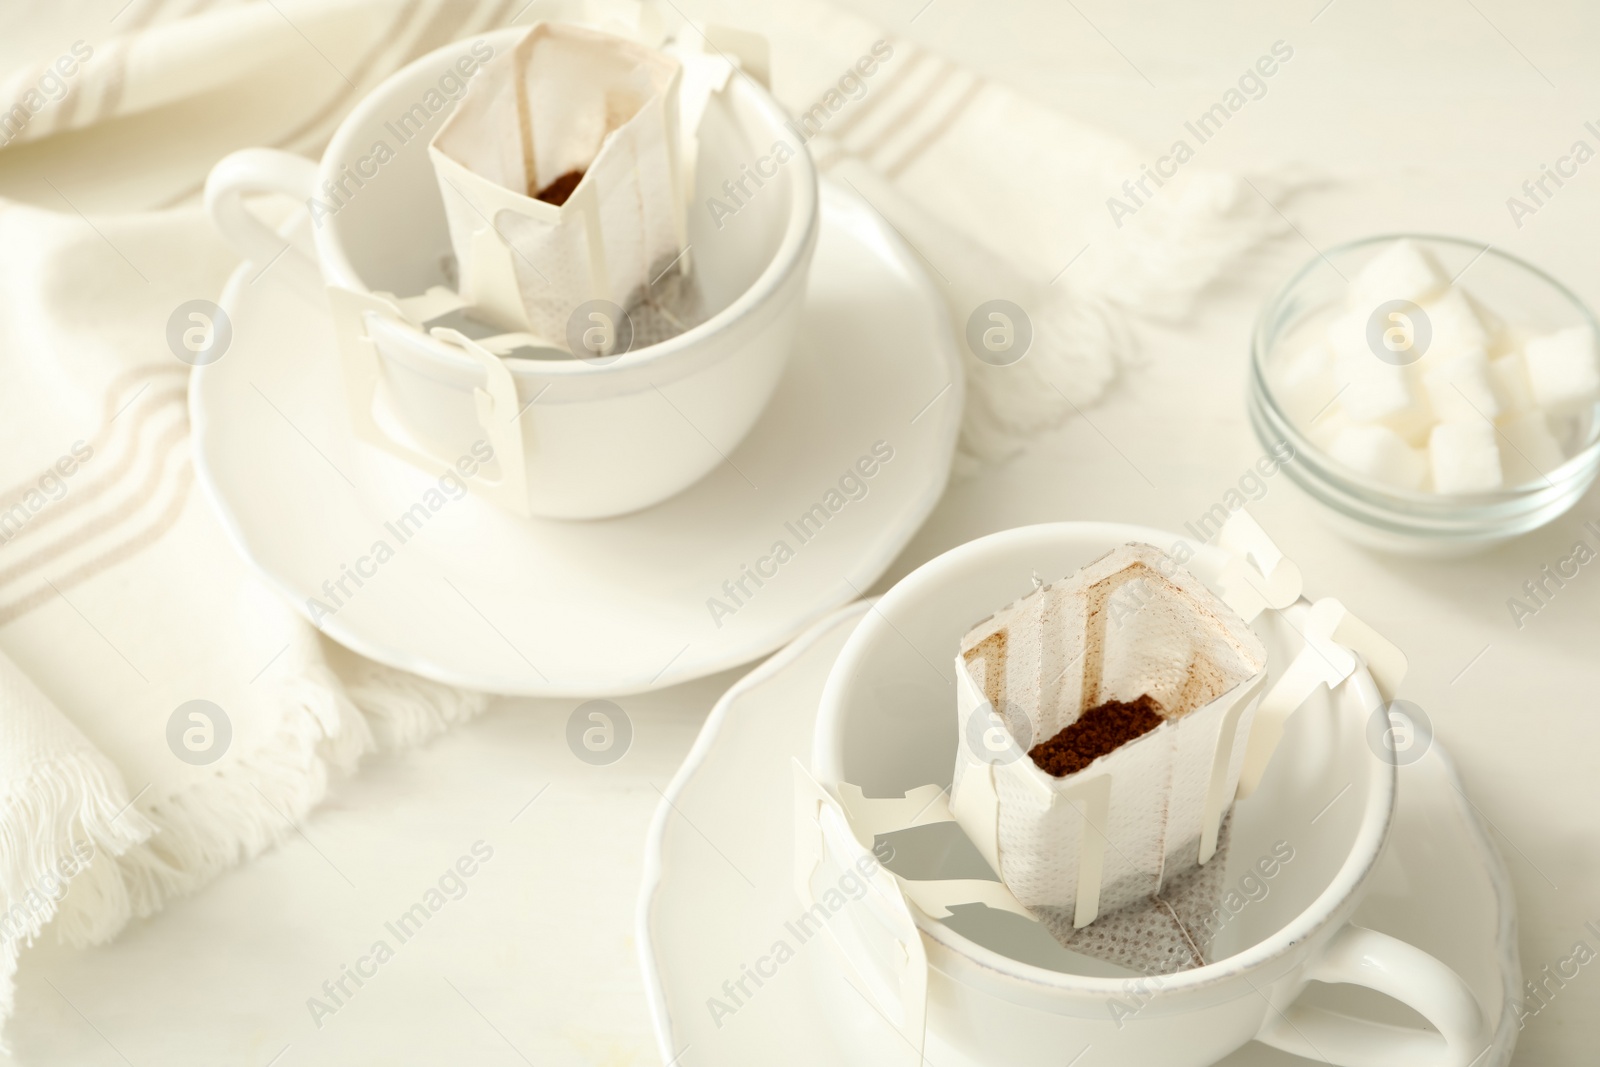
(1130, 624)
(565, 101)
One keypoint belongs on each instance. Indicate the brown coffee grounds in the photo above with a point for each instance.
(1098, 731)
(557, 191)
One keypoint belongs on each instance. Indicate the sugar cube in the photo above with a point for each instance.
(1347, 337)
(1464, 457)
(1509, 375)
(1563, 371)
(1403, 271)
(1371, 390)
(1305, 382)
(1354, 337)
(1501, 337)
(1454, 325)
(1459, 387)
(1399, 336)
(1528, 450)
(1325, 428)
(1380, 454)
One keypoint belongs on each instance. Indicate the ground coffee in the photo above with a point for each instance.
(1096, 732)
(557, 191)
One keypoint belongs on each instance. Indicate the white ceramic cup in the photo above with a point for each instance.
(599, 437)
(887, 724)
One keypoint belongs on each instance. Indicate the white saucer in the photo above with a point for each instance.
(482, 599)
(717, 887)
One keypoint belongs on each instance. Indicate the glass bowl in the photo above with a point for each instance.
(1412, 521)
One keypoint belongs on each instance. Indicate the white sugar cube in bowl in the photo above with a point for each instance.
(1460, 388)
(1464, 457)
(1562, 370)
(1380, 454)
(1440, 397)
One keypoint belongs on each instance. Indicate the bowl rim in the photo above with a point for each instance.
(1464, 516)
(981, 966)
(791, 254)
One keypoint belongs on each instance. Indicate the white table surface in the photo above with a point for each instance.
(1420, 116)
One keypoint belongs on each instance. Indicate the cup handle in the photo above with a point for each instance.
(1363, 957)
(256, 170)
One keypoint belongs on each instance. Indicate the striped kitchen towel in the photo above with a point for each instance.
(1005, 200)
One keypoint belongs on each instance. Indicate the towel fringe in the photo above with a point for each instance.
(53, 827)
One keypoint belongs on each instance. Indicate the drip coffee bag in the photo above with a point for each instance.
(562, 182)
(1102, 729)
